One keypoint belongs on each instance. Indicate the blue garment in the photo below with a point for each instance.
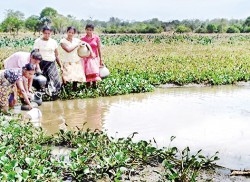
(12, 75)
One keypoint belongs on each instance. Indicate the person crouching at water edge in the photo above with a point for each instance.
(19, 60)
(49, 50)
(92, 63)
(71, 61)
(8, 79)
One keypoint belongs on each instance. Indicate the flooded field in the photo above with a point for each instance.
(208, 118)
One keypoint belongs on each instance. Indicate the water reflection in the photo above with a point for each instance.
(209, 118)
(72, 115)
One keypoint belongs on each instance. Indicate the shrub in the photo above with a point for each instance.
(183, 29)
(211, 28)
(246, 30)
(201, 30)
(233, 29)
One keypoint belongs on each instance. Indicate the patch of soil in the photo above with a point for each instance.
(221, 174)
(153, 174)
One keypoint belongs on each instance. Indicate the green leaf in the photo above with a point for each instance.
(86, 170)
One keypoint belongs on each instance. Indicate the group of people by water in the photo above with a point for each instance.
(17, 76)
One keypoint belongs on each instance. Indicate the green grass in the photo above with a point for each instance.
(139, 63)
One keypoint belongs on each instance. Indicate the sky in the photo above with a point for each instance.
(134, 10)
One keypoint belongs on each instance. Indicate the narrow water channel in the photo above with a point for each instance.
(208, 118)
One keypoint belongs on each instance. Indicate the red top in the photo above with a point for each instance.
(93, 42)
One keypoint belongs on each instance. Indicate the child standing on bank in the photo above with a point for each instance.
(92, 63)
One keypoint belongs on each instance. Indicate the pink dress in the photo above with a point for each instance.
(91, 65)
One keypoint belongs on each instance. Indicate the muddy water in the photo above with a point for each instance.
(208, 118)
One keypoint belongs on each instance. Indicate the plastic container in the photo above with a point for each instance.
(38, 98)
(104, 71)
(39, 82)
(33, 114)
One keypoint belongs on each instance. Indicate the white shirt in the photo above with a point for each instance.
(46, 48)
(70, 56)
(17, 60)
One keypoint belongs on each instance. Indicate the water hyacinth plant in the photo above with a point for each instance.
(26, 155)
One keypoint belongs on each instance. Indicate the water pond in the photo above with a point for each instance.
(209, 118)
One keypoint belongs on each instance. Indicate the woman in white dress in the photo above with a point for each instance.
(70, 59)
(48, 48)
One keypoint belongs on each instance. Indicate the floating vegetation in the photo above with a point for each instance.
(26, 155)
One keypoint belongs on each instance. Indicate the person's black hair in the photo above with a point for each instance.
(35, 54)
(90, 26)
(71, 27)
(29, 67)
(34, 50)
(46, 28)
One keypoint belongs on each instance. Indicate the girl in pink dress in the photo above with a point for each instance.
(92, 63)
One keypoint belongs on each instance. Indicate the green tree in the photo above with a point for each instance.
(211, 28)
(48, 12)
(201, 30)
(182, 29)
(114, 21)
(60, 23)
(76, 23)
(45, 21)
(12, 13)
(13, 22)
(33, 23)
(233, 29)
(240, 27)
(247, 22)
(192, 24)
(155, 22)
(46, 15)
(171, 26)
(220, 28)
(246, 30)
(153, 29)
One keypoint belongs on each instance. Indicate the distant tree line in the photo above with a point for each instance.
(15, 21)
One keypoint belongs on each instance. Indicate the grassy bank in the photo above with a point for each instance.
(143, 66)
(26, 155)
(139, 63)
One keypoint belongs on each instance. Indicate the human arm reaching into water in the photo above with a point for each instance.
(30, 81)
(24, 93)
(26, 85)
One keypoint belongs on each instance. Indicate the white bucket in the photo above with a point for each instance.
(33, 114)
(104, 72)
